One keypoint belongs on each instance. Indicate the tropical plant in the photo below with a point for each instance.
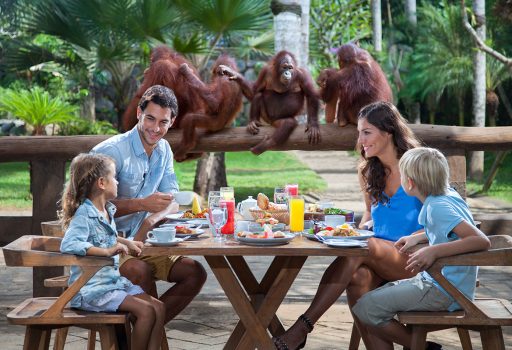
(334, 23)
(36, 108)
(442, 60)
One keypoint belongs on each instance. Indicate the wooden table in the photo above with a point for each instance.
(255, 302)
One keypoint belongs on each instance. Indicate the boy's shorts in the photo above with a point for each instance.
(161, 265)
(379, 306)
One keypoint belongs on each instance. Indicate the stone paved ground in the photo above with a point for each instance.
(209, 319)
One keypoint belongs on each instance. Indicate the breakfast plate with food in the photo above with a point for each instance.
(264, 238)
(184, 231)
(341, 232)
(187, 215)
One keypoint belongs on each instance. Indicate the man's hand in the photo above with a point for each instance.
(153, 220)
(156, 202)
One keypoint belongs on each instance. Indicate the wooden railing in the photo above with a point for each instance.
(48, 155)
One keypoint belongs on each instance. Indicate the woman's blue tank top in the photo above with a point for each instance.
(398, 217)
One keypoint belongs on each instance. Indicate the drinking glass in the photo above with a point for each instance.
(213, 198)
(296, 204)
(292, 189)
(218, 217)
(227, 193)
(280, 195)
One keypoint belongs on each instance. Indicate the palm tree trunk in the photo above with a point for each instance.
(412, 18)
(288, 27)
(476, 159)
(210, 173)
(377, 25)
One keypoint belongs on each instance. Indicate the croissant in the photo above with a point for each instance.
(262, 201)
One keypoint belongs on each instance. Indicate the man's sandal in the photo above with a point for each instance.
(280, 344)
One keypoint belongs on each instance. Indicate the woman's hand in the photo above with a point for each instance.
(422, 259)
(407, 242)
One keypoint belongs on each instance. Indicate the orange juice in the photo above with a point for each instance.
(296, 213)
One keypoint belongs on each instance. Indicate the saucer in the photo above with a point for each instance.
(155, 243)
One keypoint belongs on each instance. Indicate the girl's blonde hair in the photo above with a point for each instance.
(428, 168)
(84, 171)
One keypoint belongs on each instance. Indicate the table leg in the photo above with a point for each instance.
(256, 292)
(276, 288)
(239, 301)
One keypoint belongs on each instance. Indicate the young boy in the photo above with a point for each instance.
(449, 230)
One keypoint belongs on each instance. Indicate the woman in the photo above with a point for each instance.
(383, 138)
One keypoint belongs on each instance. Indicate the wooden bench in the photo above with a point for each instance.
(485, 315)
(42, 315)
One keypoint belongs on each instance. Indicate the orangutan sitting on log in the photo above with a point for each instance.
(278, 96)
(359, 82)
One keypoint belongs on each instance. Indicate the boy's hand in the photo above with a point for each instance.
(117, 249)
(422, 259)
(135, 247)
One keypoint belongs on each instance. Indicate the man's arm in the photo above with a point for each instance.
(153, 220)
(153, 203)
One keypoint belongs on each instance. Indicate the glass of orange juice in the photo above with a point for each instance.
(296, 205)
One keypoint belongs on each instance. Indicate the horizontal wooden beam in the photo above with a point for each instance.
(27, 148)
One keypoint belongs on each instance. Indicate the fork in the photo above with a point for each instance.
(320, 238)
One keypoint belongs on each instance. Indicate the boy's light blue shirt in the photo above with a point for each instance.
(89, 228)
(439, 215)
(139, 176)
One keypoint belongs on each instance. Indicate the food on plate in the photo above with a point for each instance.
(344, 230)
(279, 234)
(190, 215)
(333, 211)
(267, 219)
(266, 234)
(263, 201)
(314, 208)
(184, 230)
(196, 207)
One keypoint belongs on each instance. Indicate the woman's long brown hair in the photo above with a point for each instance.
(385, 117)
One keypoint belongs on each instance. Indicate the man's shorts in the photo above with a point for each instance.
(161, 265)
(379, 306)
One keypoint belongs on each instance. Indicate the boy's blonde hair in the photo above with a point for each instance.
(428, 168)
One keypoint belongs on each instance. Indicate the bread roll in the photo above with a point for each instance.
(262, 201)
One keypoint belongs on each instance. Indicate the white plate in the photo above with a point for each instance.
(164, 244)
(337, 243)
(197, 222)
(363, 234)
(266, 241)
(196, 232)
(177, 216)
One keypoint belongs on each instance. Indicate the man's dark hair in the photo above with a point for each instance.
(162, 96)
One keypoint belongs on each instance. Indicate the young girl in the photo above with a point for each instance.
(88, 219)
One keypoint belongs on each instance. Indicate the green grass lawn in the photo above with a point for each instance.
(247, 173)
(502, 185)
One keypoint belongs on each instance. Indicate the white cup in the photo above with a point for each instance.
(183, 197)
(334, 220)
(242, 225)
(162, 234)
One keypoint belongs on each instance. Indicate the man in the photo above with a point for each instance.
(144, 169)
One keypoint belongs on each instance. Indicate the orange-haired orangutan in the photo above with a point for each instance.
(163, 70)
(359, 82)
(279, 95)
(222, 99)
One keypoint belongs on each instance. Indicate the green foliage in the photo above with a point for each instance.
(86, 127)
(334, 23)
(247, 173)
(36, 108)
(442, 58)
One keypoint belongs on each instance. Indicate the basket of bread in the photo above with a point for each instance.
(268, 212)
